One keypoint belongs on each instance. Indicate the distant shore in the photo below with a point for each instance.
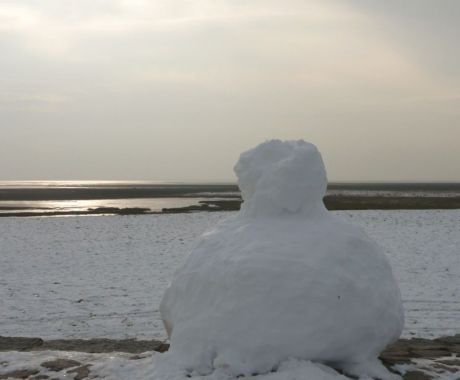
(136, 198)
(14, 192)
(127, 191)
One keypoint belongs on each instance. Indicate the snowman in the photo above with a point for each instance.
(283, 279)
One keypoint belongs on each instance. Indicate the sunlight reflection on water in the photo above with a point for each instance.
(154, 204)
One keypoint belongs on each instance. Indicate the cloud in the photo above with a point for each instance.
(427, 30)
(312, 47)
(191, 73)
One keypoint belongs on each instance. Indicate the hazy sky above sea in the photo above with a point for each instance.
(176, 89)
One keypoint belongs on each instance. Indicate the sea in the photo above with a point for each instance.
(70, 196)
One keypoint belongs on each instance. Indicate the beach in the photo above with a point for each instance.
(87, 287)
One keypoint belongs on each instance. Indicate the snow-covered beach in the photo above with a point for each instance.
(103, 276)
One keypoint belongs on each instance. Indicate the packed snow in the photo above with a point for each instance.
(284, 278)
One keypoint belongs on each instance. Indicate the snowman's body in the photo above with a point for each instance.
(283, 279)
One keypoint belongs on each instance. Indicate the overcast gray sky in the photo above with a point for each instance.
(176, 89)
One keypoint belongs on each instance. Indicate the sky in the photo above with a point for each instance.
(175, 90)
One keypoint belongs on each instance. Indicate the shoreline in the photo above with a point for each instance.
(332, 203)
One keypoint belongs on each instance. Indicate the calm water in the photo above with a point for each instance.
(154, 204)
(67, 196)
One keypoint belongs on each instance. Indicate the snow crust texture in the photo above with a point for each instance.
(117, 258)
(282, 279)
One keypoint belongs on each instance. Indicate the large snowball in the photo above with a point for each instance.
(283, 279)
(281, 176)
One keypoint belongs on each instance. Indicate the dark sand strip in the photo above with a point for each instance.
(82, 345)
(400, 352)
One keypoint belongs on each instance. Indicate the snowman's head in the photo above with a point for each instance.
(279, 177)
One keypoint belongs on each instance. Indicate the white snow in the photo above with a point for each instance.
(86, 277)
(282, 279)
(424, 250)
(43, 276)
(432, 369)
(121, 366)
(165, 368)
(277, 178)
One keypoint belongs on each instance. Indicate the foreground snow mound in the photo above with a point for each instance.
(283, 279)
(165, 368)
